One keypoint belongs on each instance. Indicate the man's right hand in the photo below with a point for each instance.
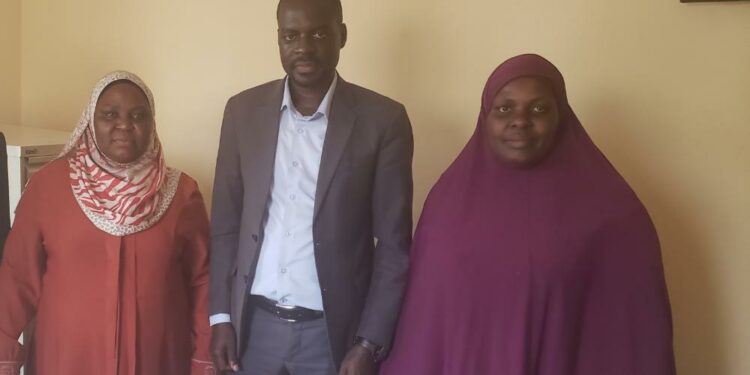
(224, 347)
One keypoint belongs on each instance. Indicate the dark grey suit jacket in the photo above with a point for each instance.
(364, 193)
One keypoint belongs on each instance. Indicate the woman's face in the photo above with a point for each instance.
(522, 123)
(123, 122)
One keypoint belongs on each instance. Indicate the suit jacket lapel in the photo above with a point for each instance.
(261, 137)
(340, 124)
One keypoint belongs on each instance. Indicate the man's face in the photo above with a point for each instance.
(310, 38)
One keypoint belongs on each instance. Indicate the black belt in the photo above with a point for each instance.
(288, 313)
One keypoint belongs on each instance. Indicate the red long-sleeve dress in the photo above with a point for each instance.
(104, 304)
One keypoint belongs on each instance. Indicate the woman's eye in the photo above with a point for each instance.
(503, 109)
(319, 35)
(109, 115)
(539, 109)
(141, 116)
(289, 37)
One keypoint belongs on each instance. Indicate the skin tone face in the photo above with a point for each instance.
(522, 124)
(310, 37)
(123, 122)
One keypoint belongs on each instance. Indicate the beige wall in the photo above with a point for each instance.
(663, 88)
(10, 61)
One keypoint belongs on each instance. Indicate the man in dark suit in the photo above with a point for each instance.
(311, 218)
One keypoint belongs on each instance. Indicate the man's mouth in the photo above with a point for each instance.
(305, 66)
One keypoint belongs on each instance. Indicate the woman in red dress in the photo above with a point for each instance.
(108, 252)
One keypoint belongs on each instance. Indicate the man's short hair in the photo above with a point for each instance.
(336, 4)
(339, 11)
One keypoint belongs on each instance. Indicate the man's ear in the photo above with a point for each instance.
(343, 34)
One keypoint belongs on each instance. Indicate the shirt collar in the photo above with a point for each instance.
(325, 105)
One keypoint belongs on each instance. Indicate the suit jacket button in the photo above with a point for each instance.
(255, 237)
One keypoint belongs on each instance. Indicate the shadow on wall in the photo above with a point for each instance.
(437, 123)
(698, 328)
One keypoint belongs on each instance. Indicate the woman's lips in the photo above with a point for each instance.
(518, 143)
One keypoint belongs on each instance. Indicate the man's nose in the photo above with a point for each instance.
(305, 45)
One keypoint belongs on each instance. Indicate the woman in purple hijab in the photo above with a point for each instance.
(533, 256)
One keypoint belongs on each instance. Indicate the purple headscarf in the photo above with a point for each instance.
(548, 270)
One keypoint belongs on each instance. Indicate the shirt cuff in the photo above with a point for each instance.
(219, 318)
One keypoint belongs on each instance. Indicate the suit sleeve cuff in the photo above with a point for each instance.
(219, 318)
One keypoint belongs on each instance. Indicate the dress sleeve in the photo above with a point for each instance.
(21, 274)
(627, 323)
(195, 264)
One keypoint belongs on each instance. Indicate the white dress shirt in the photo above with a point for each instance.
(286, 269)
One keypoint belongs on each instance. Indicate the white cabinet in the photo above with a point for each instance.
(28, 150)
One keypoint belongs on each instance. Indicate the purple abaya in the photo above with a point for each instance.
(548, 270)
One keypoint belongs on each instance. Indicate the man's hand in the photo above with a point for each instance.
(224, 347)
(358, 361)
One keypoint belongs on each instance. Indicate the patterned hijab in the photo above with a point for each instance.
(119, 199)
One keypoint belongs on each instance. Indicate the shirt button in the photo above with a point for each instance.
(283, 300)
(292, 197)
(283, 270)
(300, 131)
(288, 234)
(295, 164)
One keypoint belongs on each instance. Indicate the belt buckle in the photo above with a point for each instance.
(285, 307)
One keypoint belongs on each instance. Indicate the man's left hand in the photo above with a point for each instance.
(358, 361)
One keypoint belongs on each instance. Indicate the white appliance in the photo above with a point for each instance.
(28, 150)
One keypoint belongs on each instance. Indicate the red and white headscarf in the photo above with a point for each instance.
(119, 199)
